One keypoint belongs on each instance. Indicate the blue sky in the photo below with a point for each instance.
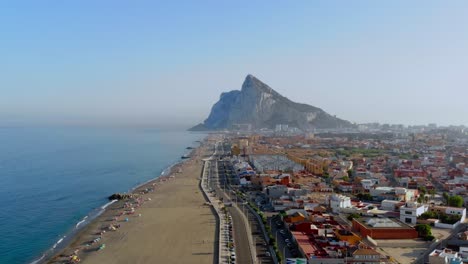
(148, 62)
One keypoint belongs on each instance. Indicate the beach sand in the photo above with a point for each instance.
(174, 227)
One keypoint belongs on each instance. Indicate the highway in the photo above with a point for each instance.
(240, 233)
(225, 179)
(284, 250)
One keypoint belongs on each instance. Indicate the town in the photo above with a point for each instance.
(374, 194)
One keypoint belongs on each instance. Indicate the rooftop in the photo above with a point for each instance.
(381, 222)
(377, 222)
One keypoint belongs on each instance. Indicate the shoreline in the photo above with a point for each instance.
(73, 236)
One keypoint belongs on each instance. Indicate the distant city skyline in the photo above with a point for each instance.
(116, 62)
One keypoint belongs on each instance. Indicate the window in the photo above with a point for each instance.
(408, 212)
(407, 220)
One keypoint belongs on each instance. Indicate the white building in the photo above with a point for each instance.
(445, 256)
(389, 205)
(461, 211)
(368, 183)
(410, 211)
(338, 201)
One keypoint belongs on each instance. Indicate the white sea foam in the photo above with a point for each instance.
(107, 204)
(58, 242)
(80, 222)
(38, 260)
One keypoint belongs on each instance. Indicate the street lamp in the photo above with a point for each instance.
(284, 255)
(276, 236)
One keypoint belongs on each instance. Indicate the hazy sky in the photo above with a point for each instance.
(148, 62)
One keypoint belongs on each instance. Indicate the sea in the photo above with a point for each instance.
(54, 180)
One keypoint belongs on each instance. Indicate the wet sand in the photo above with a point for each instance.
(174, 227)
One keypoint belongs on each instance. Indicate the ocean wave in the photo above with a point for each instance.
(38, 260)
(107, 204)
(58, 242)
(80, 222)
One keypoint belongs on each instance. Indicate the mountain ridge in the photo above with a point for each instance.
(261, 106)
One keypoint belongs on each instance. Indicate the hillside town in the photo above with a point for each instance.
(376, 194)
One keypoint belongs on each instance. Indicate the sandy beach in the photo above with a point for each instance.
(169, 224)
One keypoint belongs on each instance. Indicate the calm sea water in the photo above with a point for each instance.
(52, 178)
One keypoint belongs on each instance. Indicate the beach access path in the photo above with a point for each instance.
(174, 227)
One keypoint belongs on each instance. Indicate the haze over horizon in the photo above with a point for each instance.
(115, 62)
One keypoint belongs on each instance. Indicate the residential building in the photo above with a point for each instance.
(338, 201)
(445, 256)
(410, 211)
(366, 256)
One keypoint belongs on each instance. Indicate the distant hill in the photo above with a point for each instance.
(262, 107)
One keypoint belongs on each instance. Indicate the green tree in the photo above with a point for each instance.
(364, 196)
(346, 178)
(432, 192)
(420, 199)
(429, 214)
(350, 173)
(446, 197)
(424, 230)
(352, 216)
(456, 201)
(423, 190)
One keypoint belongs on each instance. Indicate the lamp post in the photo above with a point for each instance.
(284, 255)
(276, 237)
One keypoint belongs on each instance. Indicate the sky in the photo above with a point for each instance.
(167, 62)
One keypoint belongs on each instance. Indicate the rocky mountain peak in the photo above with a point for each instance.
(252, 83)
(260, 106)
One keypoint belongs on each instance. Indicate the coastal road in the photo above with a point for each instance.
(240, 233)
(260, 244)
(275, 230)
(261, 247)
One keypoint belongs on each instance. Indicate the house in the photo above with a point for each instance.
(464, 236)
(338, 201)
(296, 217)
(445, 256)
(348, 236)
(368, 183)
(276, 191)
(410, 211)
(390, 205)
(461, 211)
